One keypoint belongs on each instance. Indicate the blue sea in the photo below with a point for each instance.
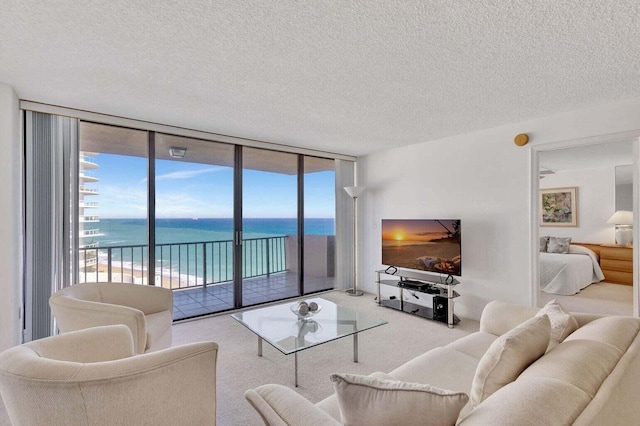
(187, 262)
(119, 232)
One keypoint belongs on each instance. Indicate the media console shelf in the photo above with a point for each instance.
(436, 285)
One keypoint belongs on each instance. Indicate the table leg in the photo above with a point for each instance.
(259, 346)
(355, 347)
(295, 361)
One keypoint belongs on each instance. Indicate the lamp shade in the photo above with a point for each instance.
(354, 191)
(621, 217)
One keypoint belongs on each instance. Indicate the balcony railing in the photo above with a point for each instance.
(182, 265)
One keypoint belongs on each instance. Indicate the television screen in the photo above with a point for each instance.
(432, 245)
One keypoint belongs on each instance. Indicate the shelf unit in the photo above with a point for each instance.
(442, 288)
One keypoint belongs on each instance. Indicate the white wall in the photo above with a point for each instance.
(596, 204)
(483, 179)
(11, 222)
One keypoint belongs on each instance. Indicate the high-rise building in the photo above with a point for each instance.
(87, 220)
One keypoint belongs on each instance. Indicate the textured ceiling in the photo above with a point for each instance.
(350, 76)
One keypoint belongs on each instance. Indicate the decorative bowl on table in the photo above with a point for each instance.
(304, 310)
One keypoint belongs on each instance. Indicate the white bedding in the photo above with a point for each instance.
(567, 274)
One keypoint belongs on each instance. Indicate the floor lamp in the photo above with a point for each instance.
(354, 192)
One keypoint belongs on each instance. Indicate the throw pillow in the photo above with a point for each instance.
(508, 356)
(366, 400)
(562, 322)
(543, 244)
(558, 245)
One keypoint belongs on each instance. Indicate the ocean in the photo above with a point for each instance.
(193, 251)
(119, 232)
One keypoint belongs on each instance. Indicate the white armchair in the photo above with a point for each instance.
(146, 310)
(94, 377)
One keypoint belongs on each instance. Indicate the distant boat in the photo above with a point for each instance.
(195, 218)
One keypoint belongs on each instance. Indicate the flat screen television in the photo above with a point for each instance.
(432, 245)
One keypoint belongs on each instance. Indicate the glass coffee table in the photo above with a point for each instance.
(283, 329)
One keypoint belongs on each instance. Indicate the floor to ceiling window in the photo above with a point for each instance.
(112, 204)
(223, 225)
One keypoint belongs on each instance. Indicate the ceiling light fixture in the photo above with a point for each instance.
(176, 152)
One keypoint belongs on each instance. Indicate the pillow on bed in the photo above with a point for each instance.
(543, 244)
(558, 245)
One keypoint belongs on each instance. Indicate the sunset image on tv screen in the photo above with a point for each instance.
(421, 244)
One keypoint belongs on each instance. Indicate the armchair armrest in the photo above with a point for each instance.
(280, 406)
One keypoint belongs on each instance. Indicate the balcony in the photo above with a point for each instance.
(88, 219)
(89, 233)
(88, 191)
(201, 273)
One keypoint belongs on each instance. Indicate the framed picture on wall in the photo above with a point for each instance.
(559, 206)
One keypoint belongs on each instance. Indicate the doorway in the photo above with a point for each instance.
(585, 169)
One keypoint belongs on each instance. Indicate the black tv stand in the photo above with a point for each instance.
(440, 287)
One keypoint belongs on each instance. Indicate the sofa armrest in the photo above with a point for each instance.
(499, 317)
(280, 406)
(73, 314)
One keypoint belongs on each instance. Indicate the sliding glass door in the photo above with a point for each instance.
(269, 226)
(194, 193)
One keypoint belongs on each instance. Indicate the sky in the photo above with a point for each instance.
(415, 229)
(190, 190)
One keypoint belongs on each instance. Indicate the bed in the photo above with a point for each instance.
(568, 273)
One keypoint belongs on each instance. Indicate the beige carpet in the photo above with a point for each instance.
(599, 298)
(380, 349)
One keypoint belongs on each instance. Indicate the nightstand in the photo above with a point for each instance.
(616, 263)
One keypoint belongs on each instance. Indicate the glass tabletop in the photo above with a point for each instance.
(282, 328)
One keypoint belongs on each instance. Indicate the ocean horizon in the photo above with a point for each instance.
(184, 241)
(118, 232)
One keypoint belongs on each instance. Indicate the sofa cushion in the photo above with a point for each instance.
(584, 364)
(617, 331)
(366, 400)
(474, 344)
(530, 402)
(562, 322)
(509, 355)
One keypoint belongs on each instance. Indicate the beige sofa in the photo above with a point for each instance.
(591, 378)
(146, 310)
(94, 377)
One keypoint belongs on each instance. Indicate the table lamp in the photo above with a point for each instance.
(623, 220)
